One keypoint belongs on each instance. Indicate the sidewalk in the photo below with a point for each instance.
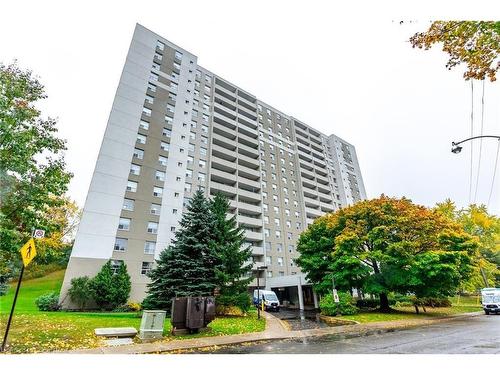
(275, 330)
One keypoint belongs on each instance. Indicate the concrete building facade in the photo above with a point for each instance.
(176, 127)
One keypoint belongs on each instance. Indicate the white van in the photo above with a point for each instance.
(271, 301)
(490, 299)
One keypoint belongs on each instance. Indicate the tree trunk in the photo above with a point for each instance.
(384, 303)
(416, 309)
(485, 279)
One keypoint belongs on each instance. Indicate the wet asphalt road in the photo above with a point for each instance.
(474, 335)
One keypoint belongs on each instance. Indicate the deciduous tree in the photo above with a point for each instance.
(387, 245)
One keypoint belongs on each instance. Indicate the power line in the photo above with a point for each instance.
(472, 135)
(480, 143)
(494, 174)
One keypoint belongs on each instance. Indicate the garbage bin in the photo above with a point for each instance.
(195, 313)
(209, 310)
(178, 314)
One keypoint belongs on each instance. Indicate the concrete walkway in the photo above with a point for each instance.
(275, 330)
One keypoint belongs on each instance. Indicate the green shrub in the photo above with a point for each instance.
(433, 302)
(110, 290)
(48, 302)
(80, 291)
(368, 303)
(242, 301)
(345, 306)
(129, 307)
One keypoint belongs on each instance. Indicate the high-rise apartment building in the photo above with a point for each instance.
(176, 127)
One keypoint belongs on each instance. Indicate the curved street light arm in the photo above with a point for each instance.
(479, 136)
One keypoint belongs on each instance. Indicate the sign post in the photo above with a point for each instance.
(28, 252)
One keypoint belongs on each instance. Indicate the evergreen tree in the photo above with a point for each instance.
(110, 290)
(228, 245)
(187, 267)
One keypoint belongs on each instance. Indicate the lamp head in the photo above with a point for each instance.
(455, 148)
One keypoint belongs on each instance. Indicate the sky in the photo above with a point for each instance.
(342, 69)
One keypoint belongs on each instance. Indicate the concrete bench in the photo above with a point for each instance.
(116, 332)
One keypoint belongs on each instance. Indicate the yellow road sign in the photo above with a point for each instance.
(28, 252)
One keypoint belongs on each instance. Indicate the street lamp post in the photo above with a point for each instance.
(455, 148)
(259, 268)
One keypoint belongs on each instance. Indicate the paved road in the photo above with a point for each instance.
(479, 334)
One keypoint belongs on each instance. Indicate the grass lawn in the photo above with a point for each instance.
(36, 331)
(401, 313)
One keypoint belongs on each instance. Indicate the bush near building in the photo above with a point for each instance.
(345, 306)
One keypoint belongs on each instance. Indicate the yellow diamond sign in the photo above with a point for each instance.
(28, 252)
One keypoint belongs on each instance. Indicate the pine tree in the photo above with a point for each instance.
(231, 254)
(187, 267)
(110, 290)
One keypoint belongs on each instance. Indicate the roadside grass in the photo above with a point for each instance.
(402, 313)
(34, 331)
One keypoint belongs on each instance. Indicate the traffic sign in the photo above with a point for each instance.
(28, 252)
(38, 233)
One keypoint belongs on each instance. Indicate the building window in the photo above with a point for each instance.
(124, 224)
(165, 146)
(277, 222)
(167, 132)
(204, 129)
(135, 169)
(202, 163)
(115, 265)
(152, 87)
(269, 273)
(157, 192)
(144, 125)
(266, 219)
(178, 55)
(162, 160)
(189, 173)
(187, 187)
(120, 244)
(139, 154)
(160, 176)
(128, 204)
(141, 139)
(203, 151)
(289, 235)
(279, 247)
(132, 186)
(201, 177)
(269, 260)
(172, 229)
(288, 224)
(267, 246)
(280, 261)
(146, 267)
(278, 234)
(291, 248)
(155, 209)
(152, 227)
(267, 233)
(146, 111)
(150, 99)
(149, 247)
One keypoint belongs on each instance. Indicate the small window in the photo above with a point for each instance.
(124, 224)
(160, 176)
(162, 160)
(146, 267)
(138, 153)
(120, 244)
(149, 247)
(167, 132)
(165, 146)
(157, 192)
(144, 125)
(115, 265)
(152, 227)
(141, 139)
(146, 111)
(135, 169)
(155, 209)
(128, 204)
(132, 186)
(178, 55)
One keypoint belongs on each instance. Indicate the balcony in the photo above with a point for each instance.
(229, 191)
(249, 221)
(249, 208)
(223, 165)
(226, 112)
(248, 162)
(248, 141)
(247, 130)
(223, 152)
(248, 151)
(257, 250)
(313, 213)
(249, 196)
(225, 93)
(311, 202)
(311, 193)
(246, 172)
(230, 134)
(253, 236)
(221, 176)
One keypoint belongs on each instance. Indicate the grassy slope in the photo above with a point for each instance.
(37, 331)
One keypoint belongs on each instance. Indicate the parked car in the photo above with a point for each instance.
(271, 301)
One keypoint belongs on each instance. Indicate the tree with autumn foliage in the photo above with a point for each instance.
(33, 176)
(387, 245)
(475, 43)
(485, 228)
